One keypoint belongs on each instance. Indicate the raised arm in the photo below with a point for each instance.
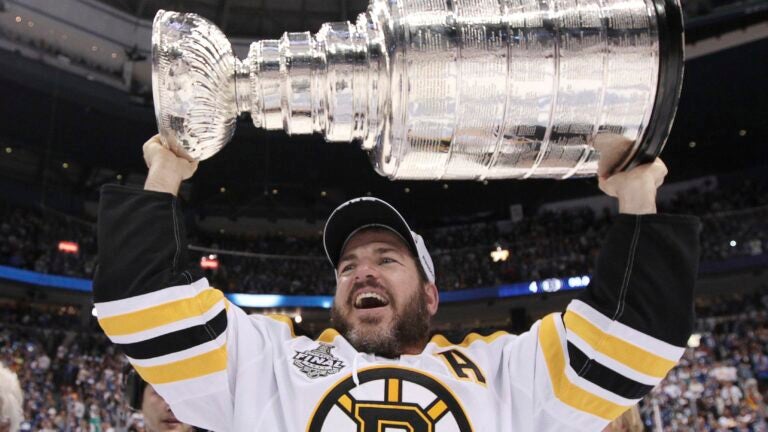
(630, 326)
(180, 334)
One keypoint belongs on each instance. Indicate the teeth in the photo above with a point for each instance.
(359, 299)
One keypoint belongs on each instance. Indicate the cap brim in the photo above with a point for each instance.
(359, 213)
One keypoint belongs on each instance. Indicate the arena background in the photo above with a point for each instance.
(76, 106)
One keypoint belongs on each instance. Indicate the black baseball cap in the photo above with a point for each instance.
(367, 212)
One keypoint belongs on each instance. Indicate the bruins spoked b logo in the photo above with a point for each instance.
(406, 400)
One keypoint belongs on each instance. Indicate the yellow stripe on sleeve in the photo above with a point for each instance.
(156, 316)
(618, 349)
(193, 367)
(564, 390)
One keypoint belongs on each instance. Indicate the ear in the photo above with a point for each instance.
(433, 297)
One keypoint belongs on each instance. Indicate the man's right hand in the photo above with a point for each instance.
(166, 169)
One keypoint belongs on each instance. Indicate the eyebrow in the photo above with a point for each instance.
(385, 249)
(379, 250)
(347, 257)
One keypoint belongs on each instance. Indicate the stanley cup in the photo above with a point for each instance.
(440, 89)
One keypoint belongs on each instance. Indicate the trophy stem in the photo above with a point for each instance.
(325, 83)
(242, 87)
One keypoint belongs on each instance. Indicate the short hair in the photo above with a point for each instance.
(11, 398)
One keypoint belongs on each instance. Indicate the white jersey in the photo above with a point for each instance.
(224, 370)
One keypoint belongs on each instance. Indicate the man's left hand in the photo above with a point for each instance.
(636, 188)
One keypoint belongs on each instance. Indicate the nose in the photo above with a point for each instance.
(365, 270)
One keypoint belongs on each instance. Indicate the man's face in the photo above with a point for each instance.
(157, 414)
(381, 304)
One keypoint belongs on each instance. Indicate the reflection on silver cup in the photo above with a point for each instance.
(438, 89)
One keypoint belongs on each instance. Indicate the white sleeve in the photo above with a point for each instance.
(181, 335)
(191, 344)
(584, 368)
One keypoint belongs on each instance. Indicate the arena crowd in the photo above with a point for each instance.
(545, 245)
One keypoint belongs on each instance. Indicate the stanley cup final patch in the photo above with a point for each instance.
(318, 362)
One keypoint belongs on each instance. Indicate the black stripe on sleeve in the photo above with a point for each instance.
(179, 340)
(593, 371)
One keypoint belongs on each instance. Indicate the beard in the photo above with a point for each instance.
(409, 328)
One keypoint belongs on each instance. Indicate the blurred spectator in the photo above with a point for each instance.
(157, 414)
(11, 400)
(69, 373)
(719, 385)
(151, 411)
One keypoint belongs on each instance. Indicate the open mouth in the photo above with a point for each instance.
(370, 300)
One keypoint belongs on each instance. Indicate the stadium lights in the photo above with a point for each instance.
(8, 150)
(499, 254)
(298, 319)
(547, 285)
(210, 262)
(579, 281)
(733, 243)
(743, 132)
(68, 247)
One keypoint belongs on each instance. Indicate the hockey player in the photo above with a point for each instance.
(155, 412)
(377, 370)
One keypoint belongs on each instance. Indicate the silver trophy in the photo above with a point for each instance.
(440, 89)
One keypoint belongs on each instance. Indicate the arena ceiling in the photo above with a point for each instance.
(252, 18)
(69, 134)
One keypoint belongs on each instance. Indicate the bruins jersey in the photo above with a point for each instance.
(223, 370)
